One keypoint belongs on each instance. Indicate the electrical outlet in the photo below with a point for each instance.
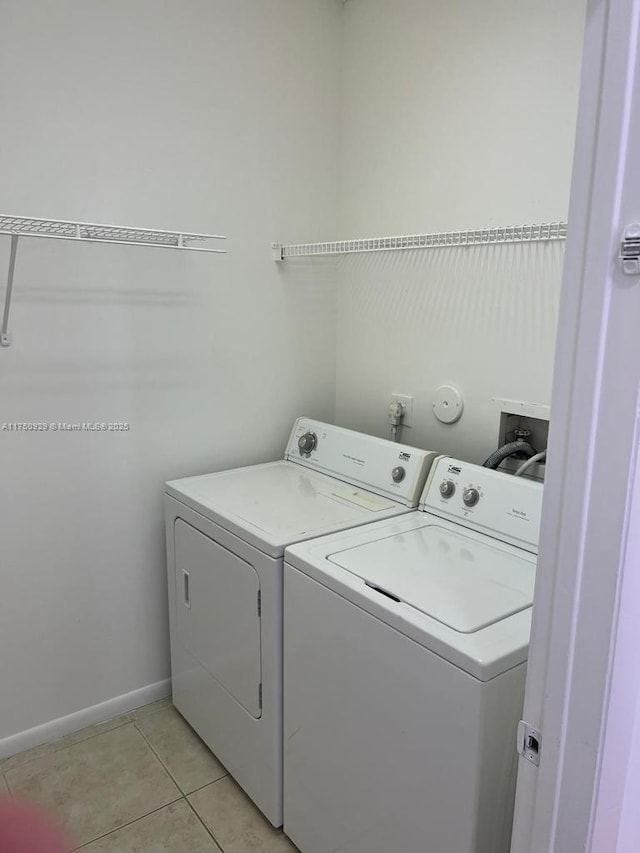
(407, 402)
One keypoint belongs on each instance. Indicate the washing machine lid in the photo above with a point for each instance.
(278, 503)
(461, 582)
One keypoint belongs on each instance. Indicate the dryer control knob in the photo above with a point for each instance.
(470, 497)
(307, 443)
(447, 488)
(398, 474)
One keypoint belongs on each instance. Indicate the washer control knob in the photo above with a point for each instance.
(307, 443)
(447, 488)
(398, 474)
(470, 497)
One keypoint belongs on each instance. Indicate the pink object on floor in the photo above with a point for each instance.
(26, 829)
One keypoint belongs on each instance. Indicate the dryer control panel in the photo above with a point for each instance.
(394, 470)
(492, 502)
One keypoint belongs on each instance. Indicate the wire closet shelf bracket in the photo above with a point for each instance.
(544, 232)
(86, 232)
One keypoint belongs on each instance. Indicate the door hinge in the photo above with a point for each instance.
(259, 603)
(529, 742)
(260, 696)
(630, 250)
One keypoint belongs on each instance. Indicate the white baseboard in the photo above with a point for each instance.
(87, 717)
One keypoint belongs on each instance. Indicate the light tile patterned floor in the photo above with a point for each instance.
(141, 783)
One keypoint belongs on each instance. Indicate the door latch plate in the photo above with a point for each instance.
(529, 742)
(630, 250)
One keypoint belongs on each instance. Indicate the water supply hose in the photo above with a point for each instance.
(511, 449)
(539, 457)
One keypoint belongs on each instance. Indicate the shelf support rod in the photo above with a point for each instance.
(5, 337)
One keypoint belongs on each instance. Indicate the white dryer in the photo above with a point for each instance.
(405, 647)
(226, 535)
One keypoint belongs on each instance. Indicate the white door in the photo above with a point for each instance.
(583, 682)
(218, 613)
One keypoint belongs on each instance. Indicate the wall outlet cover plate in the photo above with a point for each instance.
(448, 404)
(407, 402)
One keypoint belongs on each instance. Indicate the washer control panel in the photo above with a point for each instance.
(491, 502)
(398, 474)
(307, 443)
(381, 466)
(447, 488)
(470, 496)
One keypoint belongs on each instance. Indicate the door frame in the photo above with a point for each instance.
(590, 522)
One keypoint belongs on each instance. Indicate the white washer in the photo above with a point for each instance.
(405, 647)
(226, 535)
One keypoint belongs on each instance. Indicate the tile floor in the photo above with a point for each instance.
(141, 783)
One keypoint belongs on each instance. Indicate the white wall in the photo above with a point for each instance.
(206, 115)
(456, 114)
(284, 120)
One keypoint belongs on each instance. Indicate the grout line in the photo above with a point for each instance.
(173, 778)
(161, 703)
(209, 832)
(124, 825)
(6, 784)
(164, 766)
(212, 782)
(253, 806)
(9, 788)
(60, 740)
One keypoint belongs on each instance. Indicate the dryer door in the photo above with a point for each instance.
(218, 618)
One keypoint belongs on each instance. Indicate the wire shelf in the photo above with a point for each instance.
(27, 226)
(480, 237)
(59, 229)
